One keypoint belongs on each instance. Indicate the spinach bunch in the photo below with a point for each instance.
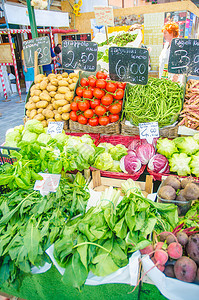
(103, 239)
(30, 223)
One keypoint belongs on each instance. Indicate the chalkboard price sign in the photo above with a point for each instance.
(129, 64)
(79, 55)
(42, 46)
(184, 57)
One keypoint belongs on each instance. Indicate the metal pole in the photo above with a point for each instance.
(31, 14)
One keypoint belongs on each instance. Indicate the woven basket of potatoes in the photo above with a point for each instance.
(50, 98)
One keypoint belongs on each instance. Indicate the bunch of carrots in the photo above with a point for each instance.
(190, 112)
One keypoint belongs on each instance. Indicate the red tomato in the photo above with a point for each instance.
(84, 82)
(111, 87)
(97, 93)
(101, 75)
(101, 83)
(121, 85)
(115, 108)
(83, 105)
(113, 118)
(77, 99)
(120, 102)
(93, 121)
(92, 81)
(94, 103)
(88, 113)
(107, 99)
(73, 116)
(79, 91)
(74, 106)
(119, 94)
(87, 94)
(82, 120)
(103, 120)
(100, 110)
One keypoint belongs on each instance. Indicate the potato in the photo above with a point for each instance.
(32, 87)
(33, 113)
(72, 86)
(59, 97)
(60, 110)
(35, 99)
(59, 77)
(39, 111)
(55, 106)
(45, 92)
(60, 102)
(43, 85)
(55, 111)
(44, 111)
(69, 96)
(51, 87)
(42, 104)
(66, 108)
(75, 79)
(37, 86)
(50, 106)
(65, 116)
(39, 117)
(54, 81)
(52, 94)
(39, 78)
(44, 123)
(36, 92)
(63, 82)
(52, 100)
(30, 106)
(70, 80)
(65, 75)
(50, 120)
(51, 76)
(28, 113)
(49, 114)
(45, 96)
(63, 89)
(72, 75)
(32, 93)
(58, 117)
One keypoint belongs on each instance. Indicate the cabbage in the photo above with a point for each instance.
(86, 138)
(194, 164)
(13, 137)
(187, 145)
(106, 146)
(145, 152)
(29, 136)
(87, 151)
(134, 144)
(34, 126)
(116, 166)
(118, 151)
(61, 138)
(19, 128)
(159, 164)
(166, 147)
(104, 161)
(179, 163)
(44, 138)
(130, 164)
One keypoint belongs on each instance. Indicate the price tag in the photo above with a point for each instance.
(55, 128)
(49, 183)
(149, 131)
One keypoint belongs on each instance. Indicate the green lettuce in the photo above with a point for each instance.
(29, 136)
(166, 147)
(187, 145)
(106, 146)
(44, 138)
(34, 126)
(179, 163)
(13, 137)
(104, 161)
(115, 167)
(118, 151)
(194, 164)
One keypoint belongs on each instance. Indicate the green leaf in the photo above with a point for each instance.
(31, 241)
(141, 245)
(4, 271)
(139, 221)
(148, 226)
(5, 179)
(130, 216)
(118, 255)
(120, 228)
(82, 250)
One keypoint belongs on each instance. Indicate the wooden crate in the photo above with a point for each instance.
(99, 183)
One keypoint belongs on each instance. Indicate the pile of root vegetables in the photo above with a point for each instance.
(190, 112)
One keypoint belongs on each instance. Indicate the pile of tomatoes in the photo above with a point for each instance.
(98, 101)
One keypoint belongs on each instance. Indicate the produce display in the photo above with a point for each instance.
(159, 100)
(190, 112)
(182, 154)
(50, 97)
(98, 101)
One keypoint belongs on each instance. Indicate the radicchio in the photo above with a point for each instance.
(130, 164)
(159, 164)
(145, 152)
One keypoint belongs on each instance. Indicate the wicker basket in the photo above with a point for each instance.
(168, 131)
(114, 140)
(112, 128)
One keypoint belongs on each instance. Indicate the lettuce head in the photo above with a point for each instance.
(179, 163)
(194, 164)
(29, 136)
(187, 145)
(104, 161)
(166, 147)
(118, 151)
(34, 126)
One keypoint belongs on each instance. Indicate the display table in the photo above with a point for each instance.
(48, 286)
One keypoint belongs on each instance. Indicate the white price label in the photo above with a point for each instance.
(149, 131)
(55, 128)
(49, 183)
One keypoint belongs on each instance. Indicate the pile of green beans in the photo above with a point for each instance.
(123, 39)
(160, 100)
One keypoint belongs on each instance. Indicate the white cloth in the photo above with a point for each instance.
(164, 58)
